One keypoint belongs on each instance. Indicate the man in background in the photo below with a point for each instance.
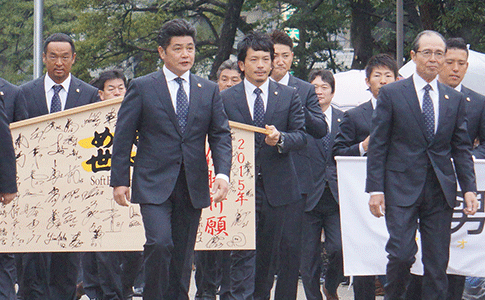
(53, 276)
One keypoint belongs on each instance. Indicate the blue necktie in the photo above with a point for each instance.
(182, 105)
(428, 113)
(258, 113)
(326, 138)
(56, 100)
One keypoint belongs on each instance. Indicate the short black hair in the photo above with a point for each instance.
(59, 37)
(108, 75)
(381, 60)
(415, 44)
(228, 65)
(257, 41)
(326, 76)
(177, 27)
(456, 43)
(280, 37)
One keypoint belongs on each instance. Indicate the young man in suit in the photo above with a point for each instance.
(321, 209)
(8, 192)
(287, 283)
(172, 111)
(54, 275)
(418, 127)
(261, 102)
(212, 267)
(353, 138)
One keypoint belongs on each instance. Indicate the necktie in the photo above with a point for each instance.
(182, 105)
(326, 138)
(56, 100)
(428, 113)
(258, 113)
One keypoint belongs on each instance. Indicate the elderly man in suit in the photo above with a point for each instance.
(8, 191)
(287, 283)
(172, 111)
(353, 138)
(321, 209)
(261, 102)
(418, 127)
(54, 275)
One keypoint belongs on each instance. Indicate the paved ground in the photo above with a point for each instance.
(344, 292)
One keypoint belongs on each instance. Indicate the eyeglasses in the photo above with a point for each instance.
(428, 53)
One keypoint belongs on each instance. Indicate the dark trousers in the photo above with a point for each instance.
(170, 230)
(324, 216)
(212, 269)
(102, 275)
(434, 215)
(50, 276)
(364, 287)
(250, 270)
(131, 265)
(456, 285)
(288, 265)
(8, 277)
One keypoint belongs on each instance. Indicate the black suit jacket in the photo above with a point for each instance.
(323, 165)
(399, 151)
(355, 128)
(285, 113)
(8, 175)
(80, 93)
(475, 114)
(162, 147)
(13, 101)
(315, 125)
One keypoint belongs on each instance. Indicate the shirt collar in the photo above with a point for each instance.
(251, 87)
(169, 75)
(285, 80)
(49, 83)
(373, 101)
(459, 87)
(420, 83)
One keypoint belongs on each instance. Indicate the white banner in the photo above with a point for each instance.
(364, 236)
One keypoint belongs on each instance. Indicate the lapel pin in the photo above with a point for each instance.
(77, 90)
(338, 119)
(276, 93)
(199, 85)
(447, 97)
(1, 93)
(467, 99)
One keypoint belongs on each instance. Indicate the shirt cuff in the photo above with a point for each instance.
(361, 149)
(376, 193)
(223, 176)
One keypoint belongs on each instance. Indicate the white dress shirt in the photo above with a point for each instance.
(285, 80)
(419, 84)
(173, 86)
(49, 91)
(251, 96)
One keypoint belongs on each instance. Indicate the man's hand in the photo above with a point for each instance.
(471, 203)
(376, 205)
(6, 198)
(121, 195)
(219, 190)
(365, 143)
(272, 138)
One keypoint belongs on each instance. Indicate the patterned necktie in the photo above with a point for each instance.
(258, 114)
(428, 113)
(182, 105)
(326, 138)
(56, 100)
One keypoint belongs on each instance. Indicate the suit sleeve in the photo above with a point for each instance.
(219, 136)
(129, 116)
(461, 151)
(315, 123)
(8, 174)
(346, 143)
(20, 112)
(380, 136)
(295, 133)
(479, 151)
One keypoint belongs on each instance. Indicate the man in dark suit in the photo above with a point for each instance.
(287, 283)
(13, 101)
(259, 101)
(54, 275)
(353, 138)
(321, 209)
(8, 191)
(452, 74)
(418, 126)
(172, 111)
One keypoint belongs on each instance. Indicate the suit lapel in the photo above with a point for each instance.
(367, 110)
(74, 93)
(411, 96)
(39, 95)
(161, 89)
(195, 100)
(443, 107)
(273, 98)
(242, 105)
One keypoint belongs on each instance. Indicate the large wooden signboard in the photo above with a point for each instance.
(65, 202)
